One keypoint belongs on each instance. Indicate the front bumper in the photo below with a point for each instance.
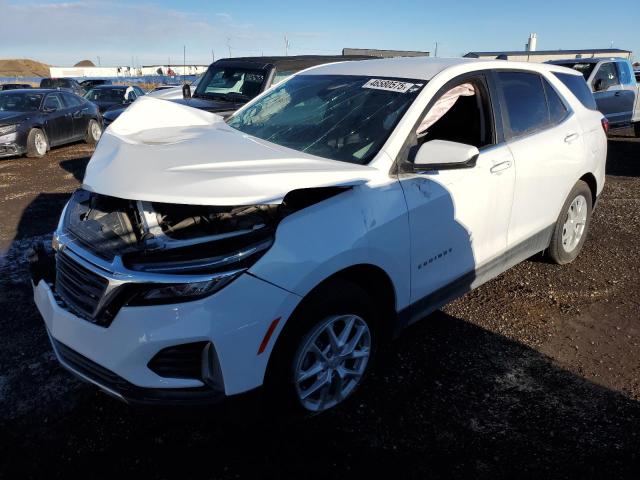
(115, 358)
(121, 389)
(11, 150)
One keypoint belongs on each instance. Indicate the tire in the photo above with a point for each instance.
(335, 304)
(94, 131)
(572, 226)
(37, 143)
(636, 129)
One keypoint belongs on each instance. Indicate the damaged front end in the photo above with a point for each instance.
(111, 252)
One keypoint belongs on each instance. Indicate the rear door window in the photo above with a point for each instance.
(579, 88)
(525, 102)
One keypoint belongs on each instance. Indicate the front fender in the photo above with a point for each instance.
(364, 225)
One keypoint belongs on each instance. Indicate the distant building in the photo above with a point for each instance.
(541, 56)
(125, 71)
(371, 52)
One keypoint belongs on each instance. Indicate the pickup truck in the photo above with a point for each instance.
(614, 87)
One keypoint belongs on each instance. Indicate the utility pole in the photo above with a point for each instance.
(436, 52)
(286, 45)
(213, 55)
(98, 60)
(229, 45)
(184, 61)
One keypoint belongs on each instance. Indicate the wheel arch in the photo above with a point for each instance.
(40, 126)
(374, 280)
(591, 181)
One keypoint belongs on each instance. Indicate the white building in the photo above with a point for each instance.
(125, 71)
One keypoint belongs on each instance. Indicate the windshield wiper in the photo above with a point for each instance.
(237, 96)
(225, 97)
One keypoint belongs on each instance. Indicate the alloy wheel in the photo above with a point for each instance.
(574, 226)
(40, 143)
(330, 364)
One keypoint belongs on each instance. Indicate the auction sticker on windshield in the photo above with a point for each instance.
(389, 85)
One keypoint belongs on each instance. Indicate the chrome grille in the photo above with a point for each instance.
(79, 288)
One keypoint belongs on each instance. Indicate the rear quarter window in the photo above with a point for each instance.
(579, 88)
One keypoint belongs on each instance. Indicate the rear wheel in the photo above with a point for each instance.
(94, 131)
(326, 350)
(571, 228)
(37, 143)
(636, 129)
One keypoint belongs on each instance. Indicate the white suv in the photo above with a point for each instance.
(205, 258)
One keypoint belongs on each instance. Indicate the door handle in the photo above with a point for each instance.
(571, 137)
(617, 94)
(499, 167)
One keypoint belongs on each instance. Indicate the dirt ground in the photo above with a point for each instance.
(535, 374)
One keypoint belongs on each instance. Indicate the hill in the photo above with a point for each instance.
(23, 68)
(85, 63)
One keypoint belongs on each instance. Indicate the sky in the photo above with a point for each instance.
(154, 32)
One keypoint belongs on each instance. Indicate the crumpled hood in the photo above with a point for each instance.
(166, 152)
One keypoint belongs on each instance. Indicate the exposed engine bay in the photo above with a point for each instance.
(174, 238)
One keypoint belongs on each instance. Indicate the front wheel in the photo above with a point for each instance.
(571, 228)
(37, 143)
(326, 350)
(94, 131)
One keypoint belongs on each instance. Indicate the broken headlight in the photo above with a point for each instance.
(150, 295)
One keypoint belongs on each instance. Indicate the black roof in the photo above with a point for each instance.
(547, 52)
(295, 63)
(35, 90)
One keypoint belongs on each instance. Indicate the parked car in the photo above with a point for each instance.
(161, 88)
(616, 91)
(68, 84)
(14, 86)
(107, 97)
(173, 92)
(32, 121)
(89, 84)
(114, 112)
(279, 247)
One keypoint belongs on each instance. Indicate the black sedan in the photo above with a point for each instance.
(32, 121)
(113, 96)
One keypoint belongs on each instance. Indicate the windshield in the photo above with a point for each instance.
(20, 101)
(114, 95)
(346, 118)
(584, 68)
(230, 84)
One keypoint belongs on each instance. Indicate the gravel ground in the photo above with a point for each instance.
(537, 373)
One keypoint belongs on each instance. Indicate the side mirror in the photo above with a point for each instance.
(186, 90)
(445, 155)
(49, 109)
